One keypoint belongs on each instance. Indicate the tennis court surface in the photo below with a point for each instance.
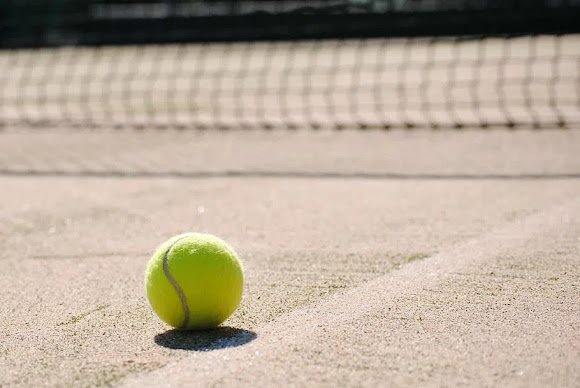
(405, 199)
(398, 258)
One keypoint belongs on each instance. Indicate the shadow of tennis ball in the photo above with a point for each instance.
(205, 340)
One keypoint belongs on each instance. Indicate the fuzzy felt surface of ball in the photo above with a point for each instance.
(194, 281)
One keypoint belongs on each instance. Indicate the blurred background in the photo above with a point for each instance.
(291, 64)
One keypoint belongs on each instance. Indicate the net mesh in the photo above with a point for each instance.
(362, 82)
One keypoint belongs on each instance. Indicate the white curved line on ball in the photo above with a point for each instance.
(176, 285)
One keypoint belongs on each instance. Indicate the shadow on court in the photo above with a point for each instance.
(281, 174)
(205, 340)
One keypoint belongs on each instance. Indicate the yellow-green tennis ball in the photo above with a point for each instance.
(194, 281)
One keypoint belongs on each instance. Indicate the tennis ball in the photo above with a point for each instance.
(194, 281)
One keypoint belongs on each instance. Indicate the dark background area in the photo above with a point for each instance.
(44, 23)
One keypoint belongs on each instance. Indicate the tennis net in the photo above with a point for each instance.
(293, 64)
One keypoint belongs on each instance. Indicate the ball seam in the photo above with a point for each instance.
(176, 285)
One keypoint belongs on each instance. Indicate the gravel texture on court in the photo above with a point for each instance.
(399, 258)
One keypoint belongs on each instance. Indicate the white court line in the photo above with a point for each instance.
(343, 309)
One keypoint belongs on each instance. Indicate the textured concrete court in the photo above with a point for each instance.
(405, 258)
